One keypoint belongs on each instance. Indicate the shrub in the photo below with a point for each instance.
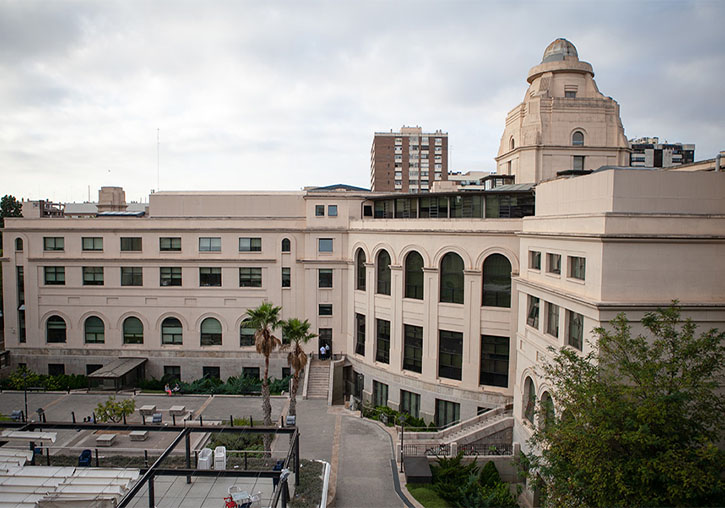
(489, 475)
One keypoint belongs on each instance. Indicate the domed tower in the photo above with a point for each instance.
(564, 122)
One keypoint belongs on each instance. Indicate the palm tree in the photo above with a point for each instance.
(264, 319)
(298, 332)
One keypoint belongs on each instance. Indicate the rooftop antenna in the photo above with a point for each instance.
(157, 159)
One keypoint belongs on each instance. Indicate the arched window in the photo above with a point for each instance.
(383, 270)
(577, 139)
(452, 278)
(512, 144)
(171, 331)
(285, 245)
(94, 330)
(496, 281)
(211, 332)
(529, 400)
(55, 329)
(414, 276)
(132, 331)
(546, 415)
(360, 270)
(19, 244)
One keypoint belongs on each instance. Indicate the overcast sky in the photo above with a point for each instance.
(273, 95)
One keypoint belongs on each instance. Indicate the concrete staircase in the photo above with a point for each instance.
(468, 431)
(318, 382)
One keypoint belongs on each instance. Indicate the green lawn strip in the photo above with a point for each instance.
(426, 496)
(307, 493)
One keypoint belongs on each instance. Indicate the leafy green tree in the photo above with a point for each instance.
(264, 319)
(9, 207)
(114, 410)
(298, 332)
(637, 424)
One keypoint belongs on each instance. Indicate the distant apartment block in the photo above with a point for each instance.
(409, 160)
(650, 153)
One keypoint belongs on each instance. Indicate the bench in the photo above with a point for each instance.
(105, 440)
(177, 411)
(139, 435)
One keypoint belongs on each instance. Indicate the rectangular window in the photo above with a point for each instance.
(286, 277)
(332, 210)
(131, 276)
(450, 354)
(578, 163)
(575, 329)
(172, 373)
(410, 403)
(170, 276)
(324, 245)
(93, 276)
(552, 319)
(170, 244)
(210, 277)
(56, 369)
(250, 372)
(54, 275)
(246, 336)
(53, 243)
(382, 348)
(210, 244)
(286, 372)
(447, 412)
(250, 277)
(319, 210)
(494, 361)
(211, 372)
(92, 367)
(360, 334)
(380, 394)
(250, 244)
(413, 348)
(324, 278)
(535, 260)
(577, 267)
(570, 94)
(325, 309)
(92, 243)
(553, 263)
(532, 317)
(132, 244)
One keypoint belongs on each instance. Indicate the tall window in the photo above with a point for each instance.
(210, 244)
(92, 243)
(210, 277)
(380, 394)
(250, 277)
(246, 335)
(575, 329)
(20, 271)
(324, 278)
(131, 276)
(382, 346)
(250, 244)
(535, 259)
(360, 334)
(532, 316)
(55, 329)
(211, 332)
(132, 331)
(577, 139)
(414, 276)
(452, 278)
(529, 400)
(132, 244)
(286, 277)
(577, 267)
(54, 275)
(413, 348)
(94, 330)
(383, 273)
(552, 319)
(546, 416)
(494, 361)
(170, 244)
(553, 263)
(496, 281)
(447, 412)
(360, 270)
(578, 163)
(19, 244)
(93, 276)
(450, 354)
(53, 243)
(410, 403)
(170, 276)
(286, 245)
(171, 331)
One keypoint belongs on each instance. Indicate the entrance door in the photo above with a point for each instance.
(325, 340)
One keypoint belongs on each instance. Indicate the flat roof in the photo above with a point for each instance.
(117, 368)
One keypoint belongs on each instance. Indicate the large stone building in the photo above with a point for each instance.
(650, 153)
(442, 304)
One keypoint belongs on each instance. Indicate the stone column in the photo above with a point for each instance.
(472, 331)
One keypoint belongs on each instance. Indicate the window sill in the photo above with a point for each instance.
(574, 280)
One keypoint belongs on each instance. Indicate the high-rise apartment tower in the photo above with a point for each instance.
(409, 160)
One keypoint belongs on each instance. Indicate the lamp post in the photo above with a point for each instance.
(402, 440)
(25, 391)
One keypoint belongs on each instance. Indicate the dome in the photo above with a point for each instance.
(559, 49)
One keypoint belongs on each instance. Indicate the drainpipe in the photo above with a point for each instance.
(717, 162)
